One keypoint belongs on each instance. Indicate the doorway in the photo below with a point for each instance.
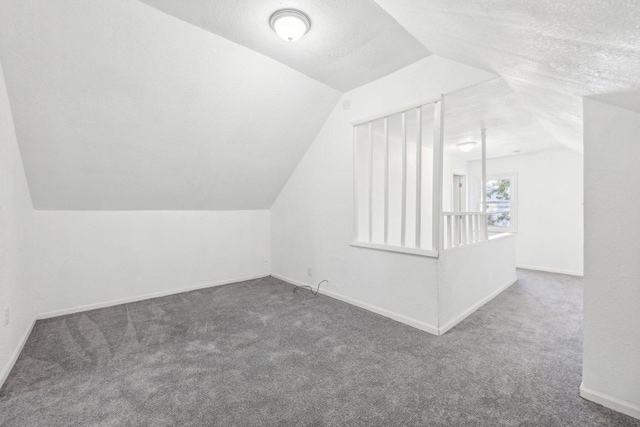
(459, 192)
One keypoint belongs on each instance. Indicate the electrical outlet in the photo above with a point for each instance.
(6, 316)
(309, 271)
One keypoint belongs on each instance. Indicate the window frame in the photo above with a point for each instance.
(513, 203)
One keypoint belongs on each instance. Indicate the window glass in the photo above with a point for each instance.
(500, 192)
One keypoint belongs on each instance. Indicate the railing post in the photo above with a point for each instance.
(438, 142)
(485, 231)
(371, 182)
(386, 180)
(403, 209)
(418, 177)
(355, 184)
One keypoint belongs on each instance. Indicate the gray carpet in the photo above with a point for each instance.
(254, 353)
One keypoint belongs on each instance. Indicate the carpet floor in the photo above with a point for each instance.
(255, 353)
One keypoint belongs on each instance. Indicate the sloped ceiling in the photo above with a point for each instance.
(350, 43)
(118, 106)
(550, 52)
(511, 128)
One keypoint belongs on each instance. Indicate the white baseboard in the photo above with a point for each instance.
(551, 270)
(16, 353)
(381, 311)
(468, 312)
(56, 313)
(610, 402)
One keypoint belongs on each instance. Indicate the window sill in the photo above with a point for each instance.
(410, 251)
(501, 230)
(500, 235)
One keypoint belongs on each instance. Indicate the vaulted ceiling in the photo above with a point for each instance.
(549, 52)
(196, 104)
(511, 128)
(350, 43)
(118, 106)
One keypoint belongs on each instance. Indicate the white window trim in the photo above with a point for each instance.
(513, 228)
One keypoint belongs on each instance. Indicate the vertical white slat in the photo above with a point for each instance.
(450, 230)
(465, 236)
(454, 234)
(371, 182)
(452, 227)
(465, 220)
(418, 177)
(476, 231)
(463, 232)
(386, 180)
(438, 140)
(485, 233)
(403, 214)
(355, 183)
(445, 221)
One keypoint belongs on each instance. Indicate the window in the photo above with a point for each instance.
(501, 191)
(393, 173)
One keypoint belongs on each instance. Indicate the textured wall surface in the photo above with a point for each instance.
(87, 258)
(611, 371)
(118, 106)
(16, 241)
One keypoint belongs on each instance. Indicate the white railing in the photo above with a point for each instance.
(464, 228)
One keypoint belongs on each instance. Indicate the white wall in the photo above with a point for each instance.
(312, 218)
(487, 269)
(87, 258)
(611, 367)
(550, 211)
(16, 242)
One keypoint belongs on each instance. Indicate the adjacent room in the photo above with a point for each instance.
(363, 212)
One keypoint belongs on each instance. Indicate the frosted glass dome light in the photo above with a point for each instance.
(290, 24)
(466, 146)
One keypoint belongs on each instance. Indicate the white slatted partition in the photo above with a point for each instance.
(393, 149)
(392, 211)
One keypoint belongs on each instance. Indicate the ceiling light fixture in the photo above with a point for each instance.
(290, 24)
(466, 146)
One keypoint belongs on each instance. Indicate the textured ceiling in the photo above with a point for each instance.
(491, 105)
(118, 106)
(350, 42)
(550, 52)
(511, 128)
